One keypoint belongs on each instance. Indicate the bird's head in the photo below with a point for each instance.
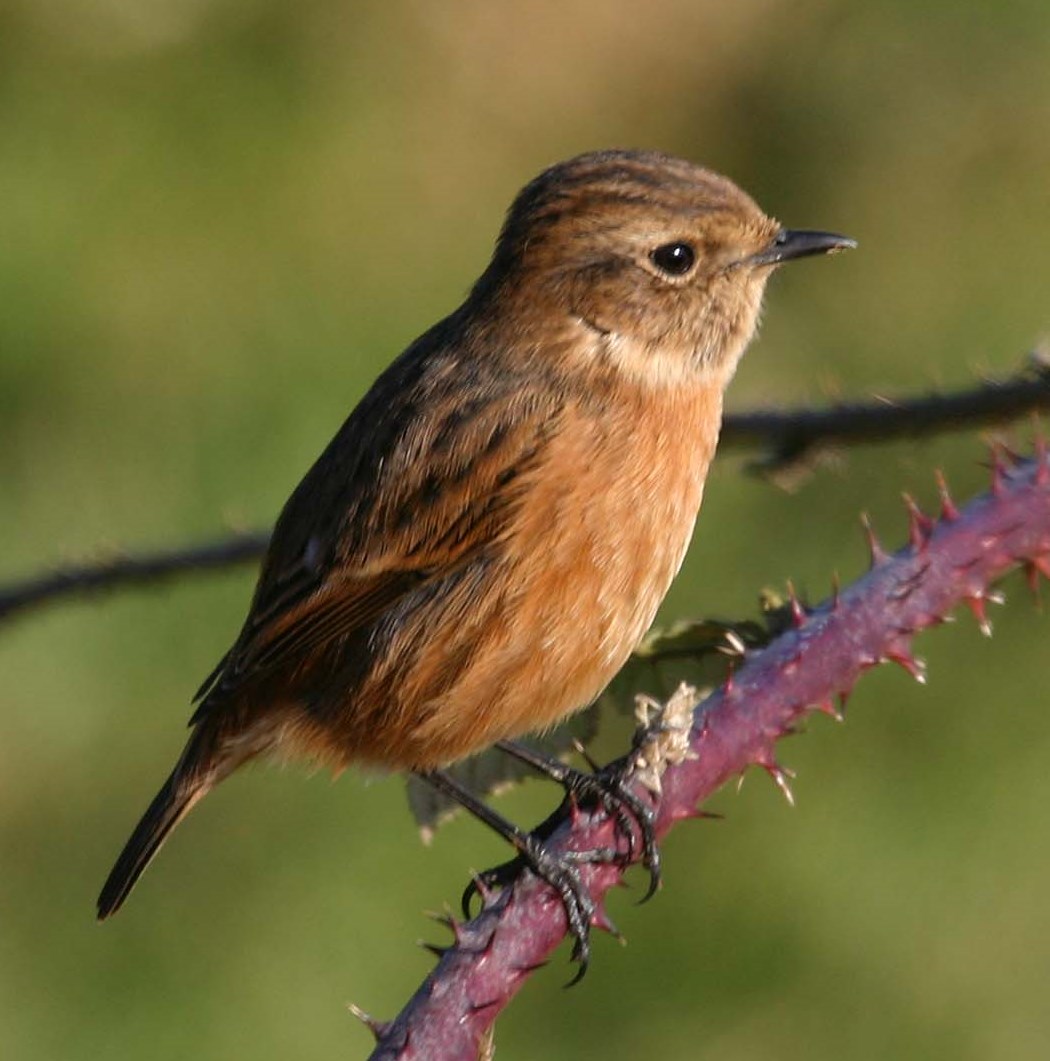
(663, 262)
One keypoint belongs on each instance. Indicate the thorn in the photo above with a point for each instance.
(780, 776)
(976, 605)
(456, 927)
(684, 814)
(601, 920)
(1010, 455)
(378, 1028)
(835, 588)
(730, 681)
(948, 510)
(480, 1007)
(1031, 574)
(844, 695)
(998, 468)
(485, 894)
(585, 755)
(798, 613)
(919, 524)
(915, 667)
(434, 948)
(878, 554)
(828, 708)
(1033, 568)
(443, 918)
(688, 814)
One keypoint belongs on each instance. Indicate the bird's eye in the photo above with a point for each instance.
(675, 259)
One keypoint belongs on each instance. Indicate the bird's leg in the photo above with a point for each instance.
(507, 872)
(556, 869)
(607, 786)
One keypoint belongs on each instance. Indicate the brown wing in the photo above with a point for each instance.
(417, 482)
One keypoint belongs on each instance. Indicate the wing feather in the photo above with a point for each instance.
(398, 498)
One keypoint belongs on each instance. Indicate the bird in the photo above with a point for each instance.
(489, 534)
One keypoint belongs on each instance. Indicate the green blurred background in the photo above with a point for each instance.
(218, 220)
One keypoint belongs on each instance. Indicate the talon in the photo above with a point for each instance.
(616, 790)
(608, 788)
(558, 871)
(655, 875)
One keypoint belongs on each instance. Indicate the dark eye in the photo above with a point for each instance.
(675, 259)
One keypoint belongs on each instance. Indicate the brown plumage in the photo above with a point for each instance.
(490, 533)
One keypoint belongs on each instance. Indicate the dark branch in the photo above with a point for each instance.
(788, 437)
(950, 560)
(90, 579)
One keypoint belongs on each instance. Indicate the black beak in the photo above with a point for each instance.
(800, 243)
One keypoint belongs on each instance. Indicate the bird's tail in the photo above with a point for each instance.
(192, 778)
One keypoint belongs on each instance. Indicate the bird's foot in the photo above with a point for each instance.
(610, 788)
(560, 870)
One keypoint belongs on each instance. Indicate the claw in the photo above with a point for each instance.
(559, 872)
(576, 901)
(609, 788)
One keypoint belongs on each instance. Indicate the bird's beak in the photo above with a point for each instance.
(800, 243)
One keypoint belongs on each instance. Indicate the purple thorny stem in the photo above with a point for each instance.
(950, 559)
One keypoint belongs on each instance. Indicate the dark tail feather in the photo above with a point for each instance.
(171, 804)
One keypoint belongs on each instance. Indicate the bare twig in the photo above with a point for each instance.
(788, 437)
(952, 559)
(118, 572)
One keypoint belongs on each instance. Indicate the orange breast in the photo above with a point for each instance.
(600, 534)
